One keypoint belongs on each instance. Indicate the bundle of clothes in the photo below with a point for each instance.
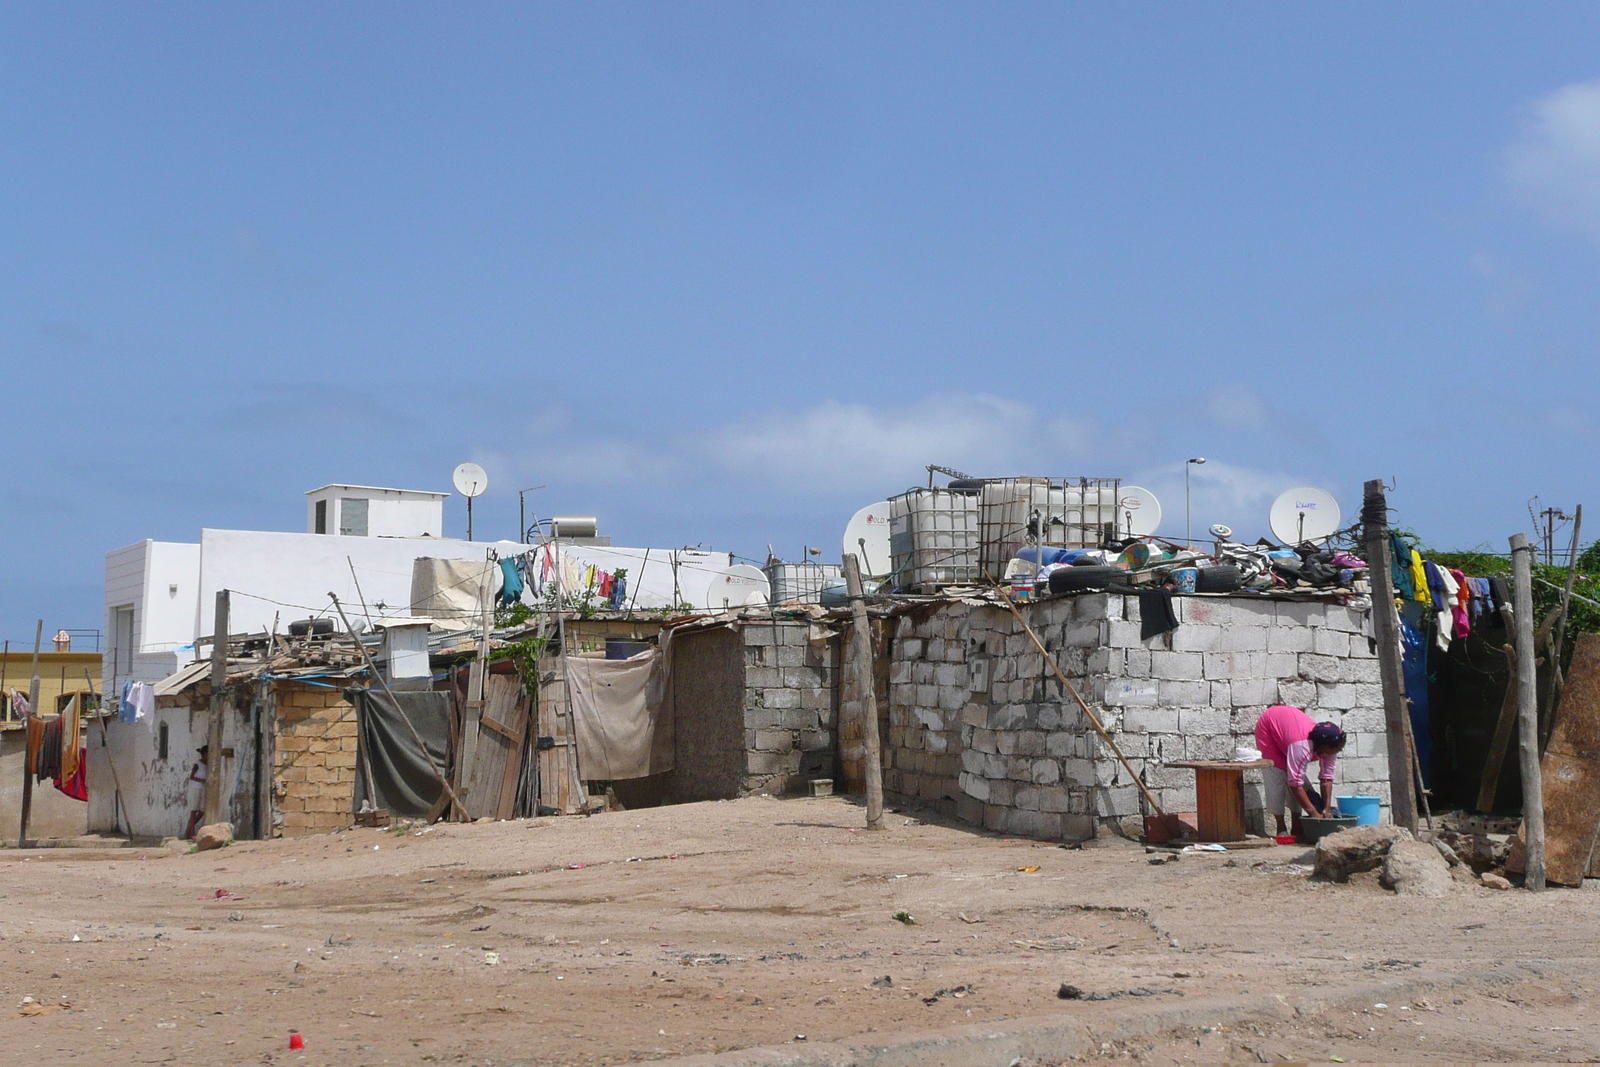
(1138, 563)
(546, 568)
(1456, 601)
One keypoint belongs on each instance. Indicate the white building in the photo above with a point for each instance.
(361, 544)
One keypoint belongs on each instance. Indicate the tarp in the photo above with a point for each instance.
(617, 709)
(449, 589)
(401, 778)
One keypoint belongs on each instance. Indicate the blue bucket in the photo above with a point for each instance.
(1365, 809)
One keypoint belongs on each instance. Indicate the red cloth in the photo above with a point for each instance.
(77, 787)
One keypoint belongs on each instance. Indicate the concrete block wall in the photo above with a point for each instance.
(791, 708)
(314, 760)
(969, 690)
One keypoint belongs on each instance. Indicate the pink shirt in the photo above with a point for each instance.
(1283, 734)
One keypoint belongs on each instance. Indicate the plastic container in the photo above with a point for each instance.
(1018, 512)
(801, 582)
(1364, 809)
(1314, 830)
(1184, 579)
(933, 538)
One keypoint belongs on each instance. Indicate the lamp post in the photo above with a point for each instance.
(522, 514)
(1188, 533)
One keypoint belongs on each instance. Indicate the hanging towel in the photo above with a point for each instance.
(510, 583)
(143, 696)
(1155, 613)
(126, 712)
(1419, 578)
(1400, 567)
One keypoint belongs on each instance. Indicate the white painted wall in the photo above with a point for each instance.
(160, 581)
(390, 512)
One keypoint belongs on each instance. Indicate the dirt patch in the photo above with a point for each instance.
(707, 927)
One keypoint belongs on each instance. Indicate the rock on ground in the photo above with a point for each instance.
(1416, 869)
(1360, 848)
(1495, 881)
(214, 836)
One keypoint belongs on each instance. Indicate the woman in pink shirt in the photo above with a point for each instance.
(1289, 738)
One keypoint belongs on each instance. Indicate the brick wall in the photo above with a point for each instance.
(314, 760)
(971, 699)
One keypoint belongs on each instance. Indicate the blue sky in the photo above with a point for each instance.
(721, 274)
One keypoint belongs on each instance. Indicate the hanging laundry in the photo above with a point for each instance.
(619, 592)
(71, 738)
(47, 763)
(510, 584)
(1442, 591)
(77, 785)
(126, 712)
(20, 708)
(1458, 609)
(143, 698)
(1419, 578)
(1400, 567)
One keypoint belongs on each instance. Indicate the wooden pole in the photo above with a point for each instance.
(866, 689)
(1528, 711)
(1094, 720)
(219, 692)
(27, 771)
(1556, 680)
(1386, 620)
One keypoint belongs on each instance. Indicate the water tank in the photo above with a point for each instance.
(933, 538)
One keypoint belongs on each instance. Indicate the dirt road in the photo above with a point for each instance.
(702, 928)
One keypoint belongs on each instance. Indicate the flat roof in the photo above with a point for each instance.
(376, 489)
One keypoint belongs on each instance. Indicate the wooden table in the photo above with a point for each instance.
(1219, 796)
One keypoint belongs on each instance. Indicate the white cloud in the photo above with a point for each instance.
(1237, 406)
(856, 446)
(1555, 163)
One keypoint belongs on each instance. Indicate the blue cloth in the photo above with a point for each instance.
(1414, 667)
(1400, 567)
(619, 592)
(1435, 585)
(126, 712)
(511, 583)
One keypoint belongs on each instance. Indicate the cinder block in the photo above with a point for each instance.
(1030, 742)
(759, 635)
(1193, 722)
(1362, 668)
(762, 677)
(1336, 696)
(1176, 666)
(1006, 742)
(1151, 720)
(1130, 694)
(1297, 692)
(1002, 792)
(1045, 772)
(1320, 668)
(1182, 694)
(1197, 638)
(1284, 638)
(969, 809)
(1061, 744)
(1227, 665)
(1136, 663)
(1326, 642)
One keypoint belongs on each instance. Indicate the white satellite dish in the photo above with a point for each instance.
(740, 586)
(1138, 511)
(870, 524)
(470, 480)
(1304, 514)
(1221, 532)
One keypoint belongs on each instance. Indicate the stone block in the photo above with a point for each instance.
(1290, 639)
(927, 696)
(1176, 666)
(1297, 692)
(1026, 798)
(1290, 613)
(1282, 665)
(1204, 721)
(1196, 638)
(1136, 663)
(762, 678)
(793, 656)
(801, 678)
(969, 809)
(1326, 642)
(1030, 742)
(954, 698)
(1061, 744)
(1336, 696)
(974, 786)
(1006, 742)
(1132, 694)
(1151, 720)
(759, 635)
(1045, 772)
(1053, 798)
(780, 698)
(1182, 694)
(772, 740)
(1002, 792)
(1122, 634)
(1364, 718)
(922, 672)
(1228, 665)
(1320, 668)
(1362, 669)
(973, 762)
(985, 741)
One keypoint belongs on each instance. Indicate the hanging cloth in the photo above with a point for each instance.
(1400, 567)
(1458, 609)
(1419, 578)
(510, 583)
(47, 766)
(71, 738)
(76, 786)
(35, 739)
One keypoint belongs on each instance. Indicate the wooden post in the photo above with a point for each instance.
(27, 771)
(219, 692)
(866, 689)
(1505, 724)
(1386, 620)
(1528, 711)
(1556, 681)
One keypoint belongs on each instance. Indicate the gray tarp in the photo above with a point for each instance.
(401, 777)
(616, 707)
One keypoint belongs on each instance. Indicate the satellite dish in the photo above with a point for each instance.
(870, 524)
(1138, 511)
(740, 586)
(1304, 514)
(470, 480)
(1221, 532)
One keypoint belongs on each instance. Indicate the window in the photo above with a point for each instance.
(121, 645)
(322, 516)
(161, 742)
(353, 516)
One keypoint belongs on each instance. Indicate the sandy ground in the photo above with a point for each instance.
(702, 928)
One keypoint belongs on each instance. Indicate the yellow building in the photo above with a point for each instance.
(61, 674)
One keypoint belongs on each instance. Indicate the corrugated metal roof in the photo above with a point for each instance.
(173, 684)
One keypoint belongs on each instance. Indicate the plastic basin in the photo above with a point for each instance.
(1314, 830)
(1365, 809)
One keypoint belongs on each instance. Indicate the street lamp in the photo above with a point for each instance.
(1188, 533)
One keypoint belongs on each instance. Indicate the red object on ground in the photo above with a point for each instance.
(295, 1040)
(1284, 839)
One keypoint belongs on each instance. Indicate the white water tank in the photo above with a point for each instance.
(933, 538)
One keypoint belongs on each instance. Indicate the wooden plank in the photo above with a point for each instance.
(514, 749)
(1571, 770)
(1503, 727)
(493, 747)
